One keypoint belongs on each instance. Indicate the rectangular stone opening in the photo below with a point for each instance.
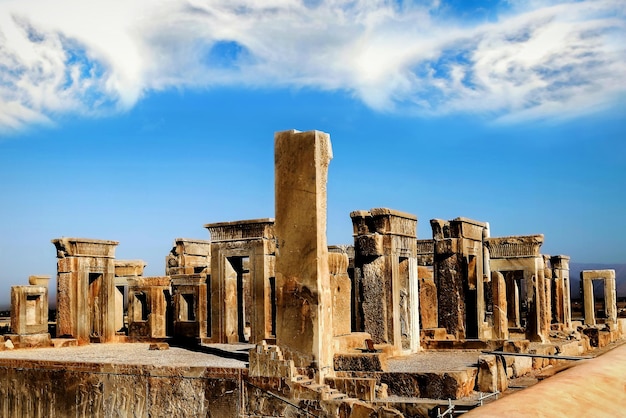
(599, 301)
(239, 313)
(95, 304)
(33, 309)
(273, 306)
(187, 311)
(140, 307)
(516, 299)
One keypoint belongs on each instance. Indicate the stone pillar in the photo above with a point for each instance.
(341, 291)
(546, 316)
(86, 289)
(562, 305)
(386, 268)
(588, 299)
(304, 308)
(610, 298)
(459, 276)
(500, 318)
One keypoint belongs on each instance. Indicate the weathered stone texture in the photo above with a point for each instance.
(86, 289)
(242, 281)
(304, 302)
(491, 374)
(90, 390)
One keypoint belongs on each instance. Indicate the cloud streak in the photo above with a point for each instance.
(536, 60)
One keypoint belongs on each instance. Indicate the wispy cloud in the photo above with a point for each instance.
(534, 60)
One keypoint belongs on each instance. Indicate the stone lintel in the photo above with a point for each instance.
(84, 247)
(30, 290)
(241, 230)
(129, 267)
(39, 280)
(515, 246)
(597, 274)
(188, 279)
(392, 212)
(425, 246)
(467, 228)
(150, 281)
(470, 221)
(123, 280)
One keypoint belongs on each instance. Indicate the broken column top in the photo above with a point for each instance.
(129, 267)
(39, 280)
(84, 247)
(459, 228)
(560, 262)
(384, 221)
(241, 230)
(190, 246)
(514, 246)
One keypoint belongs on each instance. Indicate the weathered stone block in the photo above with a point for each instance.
(370, 245)
(360, 362)
(491, 374)
(360, 388)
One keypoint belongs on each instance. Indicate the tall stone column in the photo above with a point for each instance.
(563, 309)
(588, 299)
(500, 319)
(304, 308)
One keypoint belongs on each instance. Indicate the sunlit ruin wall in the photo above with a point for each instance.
(375, 328)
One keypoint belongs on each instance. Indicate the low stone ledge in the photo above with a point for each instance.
(355, 387)
(360, 362)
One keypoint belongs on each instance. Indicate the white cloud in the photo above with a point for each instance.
(537, 60)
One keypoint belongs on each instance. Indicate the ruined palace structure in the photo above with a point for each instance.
(323, 321)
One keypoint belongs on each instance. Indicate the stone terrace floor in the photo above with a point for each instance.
(434, 361)
(124, 353)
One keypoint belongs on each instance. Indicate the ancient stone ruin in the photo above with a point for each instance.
(387, 325)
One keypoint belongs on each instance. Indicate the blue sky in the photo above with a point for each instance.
(140, 123)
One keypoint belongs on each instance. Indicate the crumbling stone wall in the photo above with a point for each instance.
(32, 389)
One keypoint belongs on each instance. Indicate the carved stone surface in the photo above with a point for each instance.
(86, 289)
(386, 277)
(459, 272)
(109, 390)
(242, 281)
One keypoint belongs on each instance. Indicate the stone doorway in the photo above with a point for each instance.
(516, 300)
(239, 306)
